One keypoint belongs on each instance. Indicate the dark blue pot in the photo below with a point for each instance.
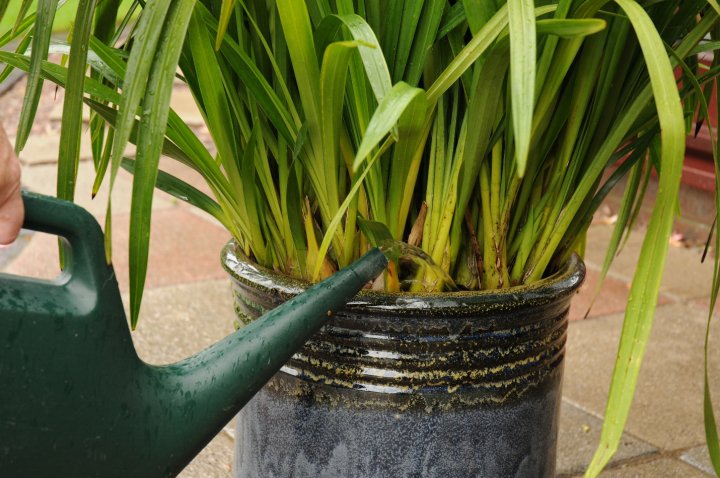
(436, 385)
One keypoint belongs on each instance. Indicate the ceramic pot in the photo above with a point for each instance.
(398, 385)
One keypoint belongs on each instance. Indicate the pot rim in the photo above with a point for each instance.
(562, 283)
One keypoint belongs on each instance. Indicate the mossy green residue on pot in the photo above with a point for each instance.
(473, 347)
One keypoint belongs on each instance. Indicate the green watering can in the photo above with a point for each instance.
(75, 399)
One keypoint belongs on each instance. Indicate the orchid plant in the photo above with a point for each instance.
(486, 133)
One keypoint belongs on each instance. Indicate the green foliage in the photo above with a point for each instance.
(487, 133)
(41, 42)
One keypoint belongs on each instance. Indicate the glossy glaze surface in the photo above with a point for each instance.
(455, 384)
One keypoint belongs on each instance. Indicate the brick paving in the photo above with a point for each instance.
(187, 306)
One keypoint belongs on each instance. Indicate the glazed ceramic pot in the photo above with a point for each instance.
(398, 385)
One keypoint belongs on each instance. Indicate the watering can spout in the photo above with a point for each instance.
(210, 387)
(75, 398)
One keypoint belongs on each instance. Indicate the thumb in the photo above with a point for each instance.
(11, 217)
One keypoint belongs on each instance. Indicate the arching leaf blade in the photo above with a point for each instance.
(151, 134)
(183, 191)
(386, 117)
(646, 282)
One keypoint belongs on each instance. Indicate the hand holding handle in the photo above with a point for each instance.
(86, 271)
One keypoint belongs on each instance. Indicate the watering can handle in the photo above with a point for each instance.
(85, 261)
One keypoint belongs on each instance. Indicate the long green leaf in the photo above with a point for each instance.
(225, 14)
(570, 28)
(521, 18)
(71, 130)
(147, 34)
(40, 43)
(424, 39)
(21, 48)
(386, 117)
(480, 42)
(333, 75)
(623, 218)
(296, 26)
(150, 143)
(212, 86)
(376, 68)
(715, 5)
(408, 25)
(106, 15)
(22, 11)
(93, 59)
(711, 432)
(646, 282)
(183, 191)
(212, 91)
(58, 75)
(281, 116)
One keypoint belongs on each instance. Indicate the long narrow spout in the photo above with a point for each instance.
(199, 395)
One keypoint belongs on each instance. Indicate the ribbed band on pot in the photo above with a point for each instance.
(495, 344)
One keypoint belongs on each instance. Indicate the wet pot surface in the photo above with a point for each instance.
(451, 385)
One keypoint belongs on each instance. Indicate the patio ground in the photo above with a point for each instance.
(187, 306)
